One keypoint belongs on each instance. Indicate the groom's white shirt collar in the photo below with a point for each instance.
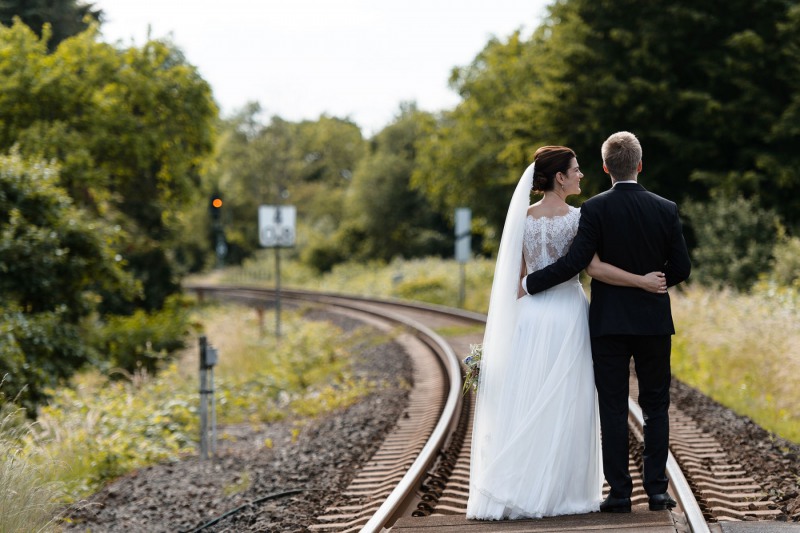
(624, 181)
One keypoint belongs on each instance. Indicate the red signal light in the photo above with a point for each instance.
(217, 203)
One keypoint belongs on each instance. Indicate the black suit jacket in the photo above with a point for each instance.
(637, 231)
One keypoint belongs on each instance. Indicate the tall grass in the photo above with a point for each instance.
(100, 428)
(28, 496)
(743, 350)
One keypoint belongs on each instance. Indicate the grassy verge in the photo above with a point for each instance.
(98, 428)
(28, 495)
(743, 350)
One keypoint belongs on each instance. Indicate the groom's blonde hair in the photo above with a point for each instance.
(621, 155)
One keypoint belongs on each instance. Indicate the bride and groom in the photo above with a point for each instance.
(553, 364)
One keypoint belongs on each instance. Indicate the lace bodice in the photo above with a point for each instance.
(548, 238)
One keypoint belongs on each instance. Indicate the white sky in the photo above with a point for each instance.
(346, 58)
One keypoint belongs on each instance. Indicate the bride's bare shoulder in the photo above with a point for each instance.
(535, 210)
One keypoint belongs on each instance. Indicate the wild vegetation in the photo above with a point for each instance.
(29, 496)
(99, 428)
(100, 153)
(743, 350)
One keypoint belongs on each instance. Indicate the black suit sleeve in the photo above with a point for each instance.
(678, 265)
(579, 256)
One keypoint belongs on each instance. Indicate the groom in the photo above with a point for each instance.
(640, 232)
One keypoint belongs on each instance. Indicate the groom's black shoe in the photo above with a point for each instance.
(659, 502)
(615, 505)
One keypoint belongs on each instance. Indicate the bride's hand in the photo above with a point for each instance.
(654, 282)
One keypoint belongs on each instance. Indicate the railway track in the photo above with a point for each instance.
(422, 468)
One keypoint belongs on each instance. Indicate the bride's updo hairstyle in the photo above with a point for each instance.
(550, 160)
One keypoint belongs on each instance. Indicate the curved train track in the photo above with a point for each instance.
(422, 468)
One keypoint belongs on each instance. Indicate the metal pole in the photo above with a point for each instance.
(277, 291)
(203, 403)
(213, 412)
(462, 285)
(260, 314)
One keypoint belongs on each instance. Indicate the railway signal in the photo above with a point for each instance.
(215, 207)
(218, 232)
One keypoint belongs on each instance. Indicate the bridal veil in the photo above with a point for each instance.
(501, 318)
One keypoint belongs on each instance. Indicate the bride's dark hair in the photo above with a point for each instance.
(550, 160)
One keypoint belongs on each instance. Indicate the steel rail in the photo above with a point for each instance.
(397, 500)
(679, 484)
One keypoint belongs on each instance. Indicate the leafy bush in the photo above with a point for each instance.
(786, 269)
(37, 351)
(99, 429)
(323, 252)
(735, 240)
(332, 396)
(53, 260)
(429, 289)
(143, 339)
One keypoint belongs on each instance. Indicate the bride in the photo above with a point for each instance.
(535, 440)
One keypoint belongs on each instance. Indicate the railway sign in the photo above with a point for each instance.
(463, 234)
(276, 226)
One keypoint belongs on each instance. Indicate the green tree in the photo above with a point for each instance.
(308, 164)
(473, 155)
(699, 89)
(714, 99)
(385, 217)
(54, 261)
(735, 240)
(65, 17)
(786, 269)
(130, 128)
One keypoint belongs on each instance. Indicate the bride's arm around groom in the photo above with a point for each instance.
(630, 228)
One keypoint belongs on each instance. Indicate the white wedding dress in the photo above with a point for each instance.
(536, 442)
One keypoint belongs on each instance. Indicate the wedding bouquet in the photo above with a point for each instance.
(473, 364)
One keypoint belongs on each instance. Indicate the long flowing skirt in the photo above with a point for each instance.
(538, 453)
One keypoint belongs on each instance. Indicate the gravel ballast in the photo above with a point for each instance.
(278, 488)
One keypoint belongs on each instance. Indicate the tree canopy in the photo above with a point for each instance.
(54, 261)
(386, 217)
(130, 129)
(714, 100)
(105, 148)
(64, 18)
(308, 164)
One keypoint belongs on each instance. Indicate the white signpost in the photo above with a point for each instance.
(276, 229)
(276, 226)
(463, 245)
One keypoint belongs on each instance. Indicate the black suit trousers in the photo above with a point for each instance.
(611, 355)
